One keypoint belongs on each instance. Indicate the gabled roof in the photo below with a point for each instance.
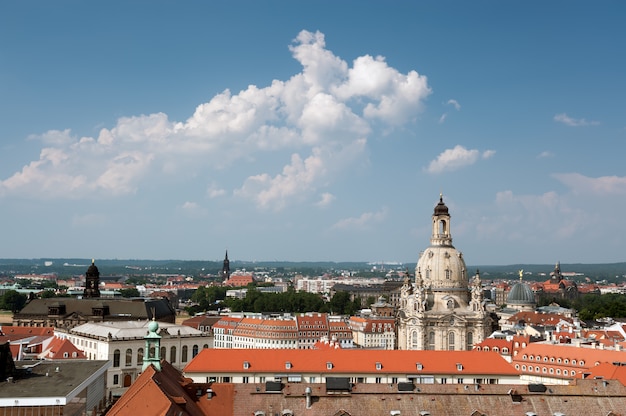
(349, 361)
(61, 349)
(158, 393)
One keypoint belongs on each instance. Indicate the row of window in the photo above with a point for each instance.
(173, 357)
(552, 359)
(546, 370)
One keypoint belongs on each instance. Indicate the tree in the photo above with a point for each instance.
(13, 301)
(129, 293)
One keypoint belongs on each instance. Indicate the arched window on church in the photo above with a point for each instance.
(139, 356)
(431, 340)
(450, 304)
(470, 340)
(450, 341)
(414, 340)
(442, 228)
(448, 274)
(427, 274)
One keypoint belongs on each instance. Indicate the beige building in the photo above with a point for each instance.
(442, 309)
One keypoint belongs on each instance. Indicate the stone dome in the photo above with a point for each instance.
(443, 268)
(520, 294)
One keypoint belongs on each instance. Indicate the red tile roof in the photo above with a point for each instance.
(349, 361)
(62, 349)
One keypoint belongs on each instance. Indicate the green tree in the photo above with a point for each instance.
(129, 293)
(47, 294)
(13, 301)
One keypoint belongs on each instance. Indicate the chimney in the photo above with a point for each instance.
(308, 392)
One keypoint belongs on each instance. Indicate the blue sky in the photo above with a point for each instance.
(312, 131)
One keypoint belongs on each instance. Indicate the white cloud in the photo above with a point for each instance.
(325, 200)
(193, 209)
(215, 191)
(456, 158)
(574, 122)
(545, 154)
(54, 137)
(322, 116)
(455, 104)
(584, 185)
(443, 118)
(363, 221)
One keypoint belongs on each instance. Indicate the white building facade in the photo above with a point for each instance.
(123, 344)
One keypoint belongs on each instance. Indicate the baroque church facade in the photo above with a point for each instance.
(442, 309)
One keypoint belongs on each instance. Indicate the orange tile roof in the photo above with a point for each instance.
(609, 371)
(26, 330)
(159, 393)
(576, 359)
(349, 361)
(59, 347)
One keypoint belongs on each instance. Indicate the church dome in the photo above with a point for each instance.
(520, 294)
(93, 270)
(441, 208)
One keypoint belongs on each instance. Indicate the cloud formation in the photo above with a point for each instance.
(456, 158)
(362, 221)
(574, 122)
(320, 116)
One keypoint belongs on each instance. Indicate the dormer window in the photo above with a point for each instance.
(419, 366)
(246, 365)
(329, 365)
(459, 367)
(288, 365)
(379, 366)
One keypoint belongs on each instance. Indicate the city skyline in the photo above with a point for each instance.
(312, 132)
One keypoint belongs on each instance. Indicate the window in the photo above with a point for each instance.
(329, 366)
(172, 355)
(470, 341)
(194, 351)
(116, 359)
(66, 355)
(451, 341)
(184, 354)
(379, 380)
(448, 274)
(128, 361)
(163, 352)
(246, 379)
(414, 339)
(116, 379)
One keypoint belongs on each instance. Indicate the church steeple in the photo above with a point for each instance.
(441, 225)
(153, 347)
(226, 267)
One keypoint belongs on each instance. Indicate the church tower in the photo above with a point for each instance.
(226, 267)
(92, 282)
(444, 310)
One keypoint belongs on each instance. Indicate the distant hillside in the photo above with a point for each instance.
(74, 266)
